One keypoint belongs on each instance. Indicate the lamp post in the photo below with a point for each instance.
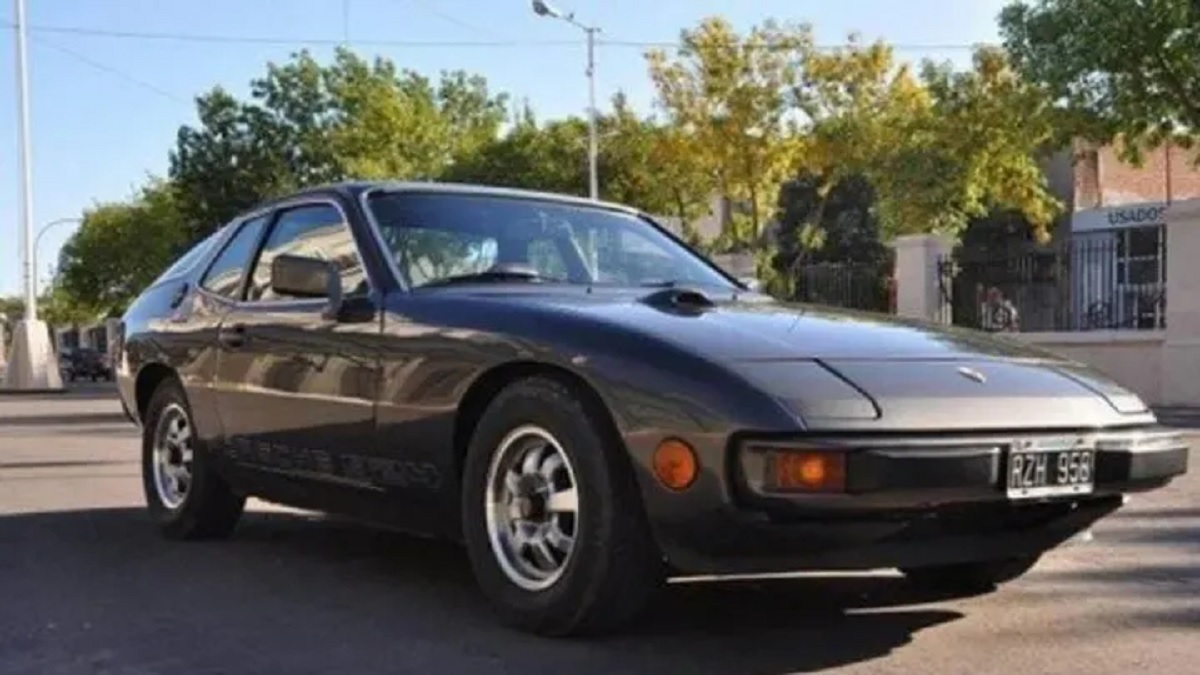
(38, 240)
(32, 366)
(542, 8)
(25, 169)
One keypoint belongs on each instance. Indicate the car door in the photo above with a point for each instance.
(189, 335)
(296, 386)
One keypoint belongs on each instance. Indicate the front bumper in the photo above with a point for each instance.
(908, 501)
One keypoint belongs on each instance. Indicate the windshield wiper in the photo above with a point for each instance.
(485, 277)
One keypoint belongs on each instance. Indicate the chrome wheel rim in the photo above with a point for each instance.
(532, 508)
(172, 460)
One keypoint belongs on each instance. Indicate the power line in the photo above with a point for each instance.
(320, 41)
(433, 9)
(114, 71)
(271, 40)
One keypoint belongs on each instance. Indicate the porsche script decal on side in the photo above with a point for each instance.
(379, 471)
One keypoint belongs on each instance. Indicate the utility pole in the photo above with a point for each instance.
(32, 366)
(24, 167)
(542, 8)
(593, 145)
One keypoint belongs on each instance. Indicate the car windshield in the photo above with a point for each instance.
(442, 237)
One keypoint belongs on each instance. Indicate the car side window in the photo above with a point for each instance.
(224, 276)
(316, 231)
(190, 257)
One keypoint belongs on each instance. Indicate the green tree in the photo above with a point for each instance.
(636, 165)
(549, 157)
(1123, 69)
(847, 229)
(119, 249)
(12, 308)
(55, 307)
(649, 165)
(231, 161)
(731, 95)
(306, 123)
(940, 148)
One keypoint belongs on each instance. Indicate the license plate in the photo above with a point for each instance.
(1050, 468)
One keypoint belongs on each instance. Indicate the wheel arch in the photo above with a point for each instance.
(148, 378)
(490, 383)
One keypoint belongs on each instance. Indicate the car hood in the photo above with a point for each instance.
(842, 367)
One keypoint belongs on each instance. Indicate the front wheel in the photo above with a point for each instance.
(184, 494)
(552, 516)
(971, 576)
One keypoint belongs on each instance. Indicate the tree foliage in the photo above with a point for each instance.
(306, 123)
(939, 148)
(1123, 69)
(641, 162)
(829, 153)
(117, 251)
(729, 97)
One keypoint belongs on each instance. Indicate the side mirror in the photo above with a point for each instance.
(306, 277)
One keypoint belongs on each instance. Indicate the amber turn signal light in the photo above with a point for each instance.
(806, 471)
(675, 464)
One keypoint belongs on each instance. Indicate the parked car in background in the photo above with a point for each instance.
(589, 405)
(85, 363)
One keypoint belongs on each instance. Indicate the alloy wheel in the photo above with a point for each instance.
(172, 460)
(532, 507)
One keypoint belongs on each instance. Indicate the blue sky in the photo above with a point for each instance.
(105, 109)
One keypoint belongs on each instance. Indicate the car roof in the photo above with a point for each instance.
(354, 189)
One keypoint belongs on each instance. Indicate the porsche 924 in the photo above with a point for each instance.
(589, 405)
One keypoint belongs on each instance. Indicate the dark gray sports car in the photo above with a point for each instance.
(590, 406)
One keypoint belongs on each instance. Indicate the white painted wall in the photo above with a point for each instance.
(1162, 366)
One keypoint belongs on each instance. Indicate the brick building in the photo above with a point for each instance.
(1115, 218)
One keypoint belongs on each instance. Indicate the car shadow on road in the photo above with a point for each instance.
(1160, 527)
(1157, 514)
(292, 593)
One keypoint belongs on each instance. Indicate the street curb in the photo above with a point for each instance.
(78, 419)
(20, 393)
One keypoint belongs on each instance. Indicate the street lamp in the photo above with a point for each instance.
(32, 366)
(542, 8)
(37, 240)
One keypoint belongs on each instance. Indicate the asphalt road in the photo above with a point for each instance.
(86, 586)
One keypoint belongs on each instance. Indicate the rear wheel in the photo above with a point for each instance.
(185, 496)
(552, 516)
(972, 576)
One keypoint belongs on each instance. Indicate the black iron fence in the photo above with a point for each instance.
(863, 286)
(1108, 281)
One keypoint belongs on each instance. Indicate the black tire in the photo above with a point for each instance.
(974, 576)
(209, 509)
(615, 568)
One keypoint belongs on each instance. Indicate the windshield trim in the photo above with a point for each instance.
(365, 197)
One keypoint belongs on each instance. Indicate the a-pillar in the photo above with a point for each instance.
(918, 290)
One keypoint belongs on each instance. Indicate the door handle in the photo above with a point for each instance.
(232, 337)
